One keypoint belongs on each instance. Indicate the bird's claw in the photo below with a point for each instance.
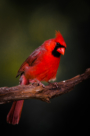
(37, 82)
(54, 84)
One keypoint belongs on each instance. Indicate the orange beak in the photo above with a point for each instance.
(61, 50)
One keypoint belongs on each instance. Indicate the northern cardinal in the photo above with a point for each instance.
(41, 65)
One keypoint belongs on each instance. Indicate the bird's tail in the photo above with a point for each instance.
(14, 114)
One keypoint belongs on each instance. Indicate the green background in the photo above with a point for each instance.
(25, 25)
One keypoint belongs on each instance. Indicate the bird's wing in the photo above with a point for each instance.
(31, 60)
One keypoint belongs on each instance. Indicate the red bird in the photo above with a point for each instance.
(41, 65)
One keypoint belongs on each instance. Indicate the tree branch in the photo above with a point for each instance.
(8, 94)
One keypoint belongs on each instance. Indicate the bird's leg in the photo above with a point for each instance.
(36, 81)
(54, 84)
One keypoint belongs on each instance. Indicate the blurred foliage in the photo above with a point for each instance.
(25, 25)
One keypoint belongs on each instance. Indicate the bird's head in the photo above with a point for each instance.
(56, 45)
(60, 43)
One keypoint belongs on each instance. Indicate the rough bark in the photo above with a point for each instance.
(8, 94)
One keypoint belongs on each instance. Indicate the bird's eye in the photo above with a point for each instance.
(58, 45)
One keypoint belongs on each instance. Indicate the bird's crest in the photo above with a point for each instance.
(58, 35)
(59, 38)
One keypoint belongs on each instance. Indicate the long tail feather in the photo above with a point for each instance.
(14, 114)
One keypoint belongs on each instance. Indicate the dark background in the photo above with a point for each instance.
(25, 25)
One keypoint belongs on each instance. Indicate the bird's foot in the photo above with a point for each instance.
(54, 84)
(37, 82)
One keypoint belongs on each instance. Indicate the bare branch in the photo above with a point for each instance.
(8, 94)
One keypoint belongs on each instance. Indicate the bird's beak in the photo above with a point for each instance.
(61, 50)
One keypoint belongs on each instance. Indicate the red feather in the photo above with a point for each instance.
(41, 65)
(59, 38)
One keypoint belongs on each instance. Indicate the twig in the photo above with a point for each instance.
(8, 94)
